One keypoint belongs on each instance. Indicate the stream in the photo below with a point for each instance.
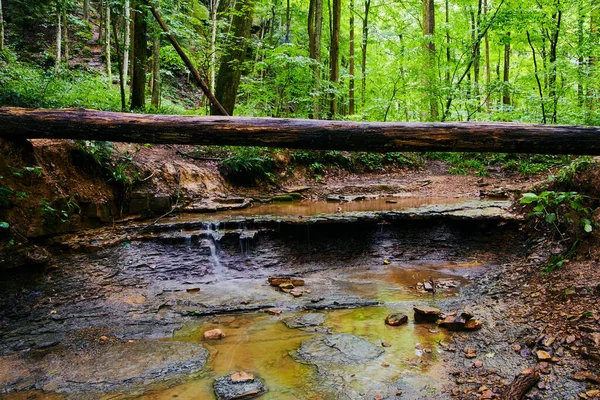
(121, 313)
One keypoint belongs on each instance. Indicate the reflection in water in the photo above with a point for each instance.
(310, 208)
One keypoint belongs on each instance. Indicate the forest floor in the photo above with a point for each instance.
(532, 319)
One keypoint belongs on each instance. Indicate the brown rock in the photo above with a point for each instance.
(593, 394)
(396, 319)
(386, 344)
(473, 325)
(278, 280)
(241, 376)
(384, 364)
(487, 395)
(286, 285)
(571, 339)
(426, 314)
(273, 311)
(517, 348)
(543, 355)
(214, 334)
(477, 364)
(193, 290)
(470, 353)
(296, 292)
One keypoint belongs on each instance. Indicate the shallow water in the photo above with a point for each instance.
(263, 344)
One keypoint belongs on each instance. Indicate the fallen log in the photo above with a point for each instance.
(19, 123)
(519, 387)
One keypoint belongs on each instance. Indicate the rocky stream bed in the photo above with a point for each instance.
(123, 312)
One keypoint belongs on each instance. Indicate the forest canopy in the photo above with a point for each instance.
(373, 60)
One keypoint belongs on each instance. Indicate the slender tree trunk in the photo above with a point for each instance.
(334, 55)
(101, 21)
(287, 22)
(107, 42)
(315, 27)
(557, 18)
(537, 78)
(580, 58)
(66, 39)
(155, 100)
(1, 27)
(120, 64)
(448, 58)
(594, 18)
(86, 10)
(351, 107)
(476, 50)
(58, 39)
(430, 61)
(488, 75)
(138, 77)
(126, 40)
(365, 42)
(506, 75)
(214, 6)
(232, 61)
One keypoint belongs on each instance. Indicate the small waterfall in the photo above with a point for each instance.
(212, 237)
(246, 237)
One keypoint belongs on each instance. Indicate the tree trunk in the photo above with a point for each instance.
(537, 78)
(430, 61)
(58, 39)
(594, 18)
(448, 58)
(351, 108)
(287, 22)
(1, 27)
(119, 64)
(66, 39)
(155, 100)
(86, 10)
(488, 75)
(506, 75)
(126, 40)
(214, 6)
(101, 21)
(334, 55)
(138, 78)
(107, 42)
(315, 28)
(556, 18)
(232, 61)
(198, 79)
(365, 42)
(17, 123)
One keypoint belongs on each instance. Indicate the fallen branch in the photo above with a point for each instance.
(521, 385)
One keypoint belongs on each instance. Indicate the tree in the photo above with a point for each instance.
(351, 109)
(232, 62)
(334, 54)
(1, 27)
(140, 42)
(430, 60)
(365, 43)
(126, 40)
(156, 81)
(315, 29)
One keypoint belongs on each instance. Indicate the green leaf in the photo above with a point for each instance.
(529, 198)
(551, 218)
(4, 225)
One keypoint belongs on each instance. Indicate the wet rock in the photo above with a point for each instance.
(296, 292)
(273, 311)
(305, 320)
(246, 386)
(427, 286)
(214, 334)
(114, 367)
(286, 285)
(396, 319)
(473, 325)
(278, 280)
(341, 348)
(426, 314)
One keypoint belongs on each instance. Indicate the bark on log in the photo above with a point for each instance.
(19, 123)
(521, 385)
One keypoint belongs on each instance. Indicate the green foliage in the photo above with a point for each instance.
(560, 208)
(53, 213)
(566, 175)
(481, 164)
(248, 166)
